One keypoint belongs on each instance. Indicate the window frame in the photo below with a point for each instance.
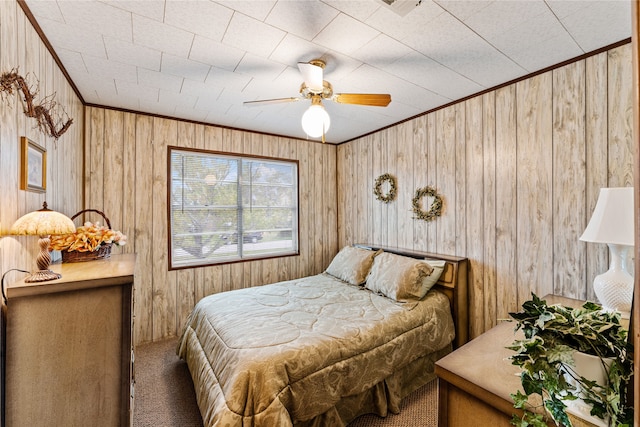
(243, 156)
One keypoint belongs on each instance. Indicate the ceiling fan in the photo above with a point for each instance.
(316, 121)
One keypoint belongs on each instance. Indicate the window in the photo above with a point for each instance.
(226, 208)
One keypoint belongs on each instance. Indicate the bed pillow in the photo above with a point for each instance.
(352, 264)
(438, 268)
(398, 277)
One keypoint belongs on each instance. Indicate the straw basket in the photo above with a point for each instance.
(104, 251)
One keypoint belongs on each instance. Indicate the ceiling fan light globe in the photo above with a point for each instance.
(316, 121)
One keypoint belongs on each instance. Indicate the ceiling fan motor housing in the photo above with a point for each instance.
(326, 93)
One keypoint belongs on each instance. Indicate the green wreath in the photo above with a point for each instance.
(436, 207)
(377, 188)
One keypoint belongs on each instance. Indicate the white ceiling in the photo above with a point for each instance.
(200, 60)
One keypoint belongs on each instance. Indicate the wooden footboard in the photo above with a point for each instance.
(452, 282)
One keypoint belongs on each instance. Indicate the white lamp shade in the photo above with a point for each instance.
(316, 121)
(612, 218)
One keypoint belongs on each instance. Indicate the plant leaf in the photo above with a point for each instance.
(561, 353)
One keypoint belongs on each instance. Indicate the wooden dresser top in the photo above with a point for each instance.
(115, 270)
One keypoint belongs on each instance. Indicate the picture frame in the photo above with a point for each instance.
(33, 171)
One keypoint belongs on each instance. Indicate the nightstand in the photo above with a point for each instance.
(476, 380)
(69, 356)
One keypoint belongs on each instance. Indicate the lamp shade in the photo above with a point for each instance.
(612, 218)
(316, 121)
(42, 223)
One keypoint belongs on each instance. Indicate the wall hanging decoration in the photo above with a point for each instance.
(377, 188)
(436, 206)
(33, 166)
(48, 123)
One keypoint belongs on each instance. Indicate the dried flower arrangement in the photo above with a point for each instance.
(87, 238)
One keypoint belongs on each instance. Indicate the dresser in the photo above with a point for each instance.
(69, 353)
(476, 380)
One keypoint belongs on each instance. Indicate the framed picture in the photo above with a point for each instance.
(33, 172)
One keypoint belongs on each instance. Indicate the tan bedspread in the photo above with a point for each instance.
(282, 354)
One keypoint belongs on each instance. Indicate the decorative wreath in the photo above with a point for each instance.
(377, 188)
(436, 207)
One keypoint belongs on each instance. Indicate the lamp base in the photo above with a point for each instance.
(614, 290)
(42, 276)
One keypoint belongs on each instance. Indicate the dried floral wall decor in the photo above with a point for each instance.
(49, 122)
(377, 188)
(436, 206)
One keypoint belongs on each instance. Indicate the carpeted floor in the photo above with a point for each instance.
(164, 395)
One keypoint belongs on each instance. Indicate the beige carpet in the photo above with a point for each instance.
(164, 395)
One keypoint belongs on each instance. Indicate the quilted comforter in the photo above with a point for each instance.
(289, 353)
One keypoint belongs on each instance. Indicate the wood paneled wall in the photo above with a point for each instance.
(22, 49)
(635, 313)
(519, 169)
(127, 180)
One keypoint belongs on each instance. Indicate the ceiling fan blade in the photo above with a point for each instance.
(373, 99)
(312, 75)
(269, 101)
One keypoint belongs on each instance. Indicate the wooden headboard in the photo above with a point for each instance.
(452, 282)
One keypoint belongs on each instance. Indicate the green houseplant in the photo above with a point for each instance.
(552, 333)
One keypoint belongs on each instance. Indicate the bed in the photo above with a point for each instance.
(324, 349)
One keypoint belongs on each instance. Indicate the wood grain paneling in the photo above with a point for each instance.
(94, 175)
(519, 168)
(461, 176)
(506, 203)
(141, 240)
(393, 140)
(377, 168)
(489, 213)
(341, 194)
(22, 49)
(165, 309)
(596, 145)
(9, 137)
(534, 186)
(473, 225)
(163, 298)
(431, 179)
(569, 171)
(363, 169)
(423, 163)
(635, 315)
(404, 166)
(620, 116)
(446, 179)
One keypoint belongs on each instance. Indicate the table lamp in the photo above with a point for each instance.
(612, 223)
(43, 223)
